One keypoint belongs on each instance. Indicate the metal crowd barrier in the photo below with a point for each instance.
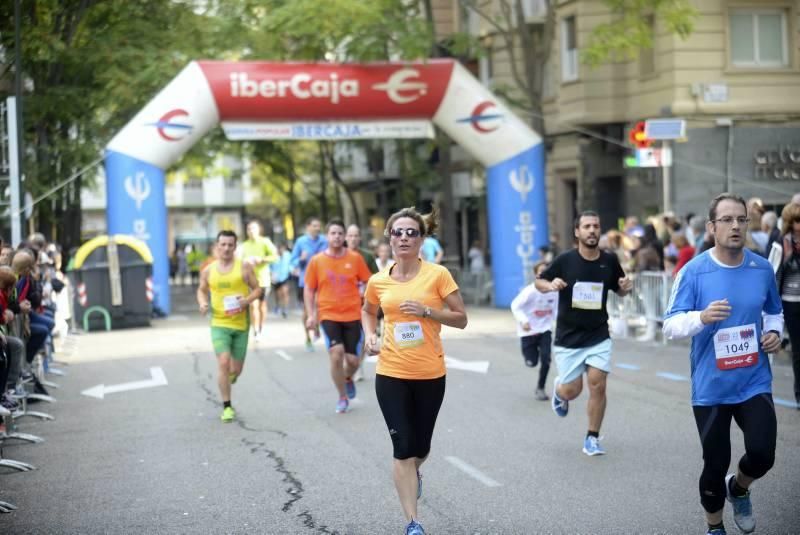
(475, 288)
(642, 309)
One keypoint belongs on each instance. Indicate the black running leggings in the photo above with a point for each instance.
(410, 408)
(756, 418)
(535, 347)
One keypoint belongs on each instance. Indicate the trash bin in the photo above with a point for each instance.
(112, 280)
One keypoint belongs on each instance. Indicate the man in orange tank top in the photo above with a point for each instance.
(333, 303)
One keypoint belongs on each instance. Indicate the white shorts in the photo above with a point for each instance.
(572, 362)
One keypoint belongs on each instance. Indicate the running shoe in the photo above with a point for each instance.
(540, 395)
(350, 388)
(419, 485)
(228, 414)
(742, 508)
(592, 447)
(309, 346)
(232, 378)
(341, 406)
(560, 406)
(414, 528)
(716, 531)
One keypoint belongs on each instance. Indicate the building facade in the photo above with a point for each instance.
(735, 80)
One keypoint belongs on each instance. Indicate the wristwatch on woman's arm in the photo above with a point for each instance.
(427, 312)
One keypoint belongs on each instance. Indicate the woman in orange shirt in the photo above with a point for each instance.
(410, 377)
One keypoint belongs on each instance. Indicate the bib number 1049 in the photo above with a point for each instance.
(736, 347)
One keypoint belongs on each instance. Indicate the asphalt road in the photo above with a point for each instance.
(158, 460)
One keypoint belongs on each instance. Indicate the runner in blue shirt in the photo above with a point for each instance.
(305, 247)
(726, 299)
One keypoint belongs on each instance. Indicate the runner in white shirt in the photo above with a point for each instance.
(535, 313)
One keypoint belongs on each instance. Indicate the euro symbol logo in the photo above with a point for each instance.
(138, 189)
(400, 89)
(522, 182)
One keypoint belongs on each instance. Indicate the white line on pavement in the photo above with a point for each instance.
(283, 354)
(672, 376)
(472, 472)
(624, 366)
(784, 402)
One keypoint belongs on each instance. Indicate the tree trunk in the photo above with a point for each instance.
(323, 190)
(449, 233)
(350, 199)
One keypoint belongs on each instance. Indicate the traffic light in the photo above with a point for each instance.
(638, 138)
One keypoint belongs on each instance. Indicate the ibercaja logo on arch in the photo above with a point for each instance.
(403, 86)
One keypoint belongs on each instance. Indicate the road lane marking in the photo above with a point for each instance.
(672, 376)
(624, 366)
(477, 366)
(784, 402)
(283, 354)
(472, 472)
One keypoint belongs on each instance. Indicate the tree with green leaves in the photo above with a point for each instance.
(529, 46)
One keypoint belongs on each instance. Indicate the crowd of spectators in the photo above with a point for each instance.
(33, 308)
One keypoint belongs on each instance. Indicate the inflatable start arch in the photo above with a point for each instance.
(262, 100)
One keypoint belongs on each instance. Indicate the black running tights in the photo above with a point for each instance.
(410, 408)
(756, 418)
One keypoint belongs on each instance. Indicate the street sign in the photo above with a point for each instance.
(665, 129)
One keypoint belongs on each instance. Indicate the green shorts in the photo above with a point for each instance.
(231, 341)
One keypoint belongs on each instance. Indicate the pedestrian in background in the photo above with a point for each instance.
(789, 286)
(431, 250)
(281, 271)
(535, 313)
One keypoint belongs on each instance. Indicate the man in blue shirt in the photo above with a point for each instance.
(726, 299)
(306, 246)
(431, 250)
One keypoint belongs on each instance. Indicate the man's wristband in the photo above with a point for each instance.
(774, 331)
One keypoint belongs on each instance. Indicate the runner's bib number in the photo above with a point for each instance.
(230, 304)
(736, 347)
(408, 334)
(587, 295)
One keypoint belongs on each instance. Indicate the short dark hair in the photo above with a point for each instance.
(712, 206)
(335, 222)
(585, 213)
(311, 220)
(227, 234)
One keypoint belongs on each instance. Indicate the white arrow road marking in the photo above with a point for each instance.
(283, 354)
(157, 378)
(477, 366)
(472, 472)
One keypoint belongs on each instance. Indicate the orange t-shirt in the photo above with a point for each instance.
(336, 282)
(411, 346)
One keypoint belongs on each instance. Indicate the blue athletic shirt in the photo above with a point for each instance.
(310, 246)
(750, 289)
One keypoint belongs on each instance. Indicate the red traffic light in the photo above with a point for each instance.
(638, 138)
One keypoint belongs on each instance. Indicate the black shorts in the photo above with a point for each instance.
(410, 408)
(300, 296)
(278, 285)
(347, 333)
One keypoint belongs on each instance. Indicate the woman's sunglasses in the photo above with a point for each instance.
(410, 232)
